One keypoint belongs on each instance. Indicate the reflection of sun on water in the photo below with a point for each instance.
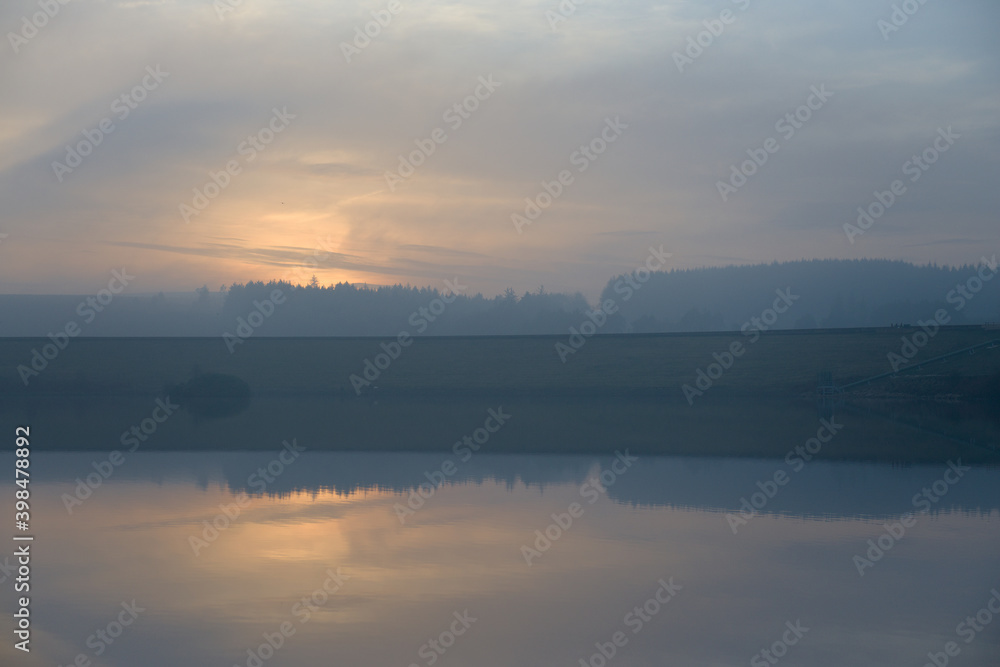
(300, 542)
(301, 526)
(298, 526)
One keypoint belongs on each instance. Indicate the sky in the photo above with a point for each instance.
(643, 108)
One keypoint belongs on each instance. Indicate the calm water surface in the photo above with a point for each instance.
(454, 570)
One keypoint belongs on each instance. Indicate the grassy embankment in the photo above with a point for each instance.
(778, 364)
(615, 392)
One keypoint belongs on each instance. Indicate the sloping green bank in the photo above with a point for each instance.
(776, 364)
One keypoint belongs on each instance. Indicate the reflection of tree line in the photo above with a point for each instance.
(821, 489)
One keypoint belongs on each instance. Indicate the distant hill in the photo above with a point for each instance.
(831, 293)
(822, 293)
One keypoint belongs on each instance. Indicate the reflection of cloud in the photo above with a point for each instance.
(461, 551)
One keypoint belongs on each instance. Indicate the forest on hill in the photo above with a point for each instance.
(811, 294)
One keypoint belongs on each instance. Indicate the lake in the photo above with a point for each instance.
(295, 558)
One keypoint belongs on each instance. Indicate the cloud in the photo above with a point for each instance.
(325, 175)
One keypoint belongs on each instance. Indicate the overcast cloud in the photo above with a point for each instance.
(321, 181)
